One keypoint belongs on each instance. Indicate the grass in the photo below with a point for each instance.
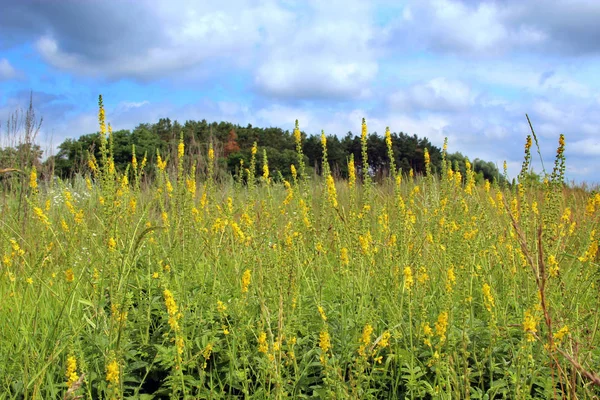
(113, 286)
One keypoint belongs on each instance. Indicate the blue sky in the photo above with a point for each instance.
(466, 70)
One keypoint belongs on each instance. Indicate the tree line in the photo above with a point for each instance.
(232, 144)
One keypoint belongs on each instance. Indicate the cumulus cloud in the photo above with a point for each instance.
(7, 71)
(311, 49)
(438, 94)
(486, 27)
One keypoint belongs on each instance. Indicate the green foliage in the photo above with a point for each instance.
(163, 135)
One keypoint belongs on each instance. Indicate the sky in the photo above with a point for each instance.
(468, 70)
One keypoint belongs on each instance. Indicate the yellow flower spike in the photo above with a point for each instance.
(385, 339)
(246, 279)
(427, 333)
(351, 172)
(33, 184)
(365, 339)
(324, 343)
(112, 244)
(408, 278)
(450, 280)
(263, 346)
(180, 149)
(488, 298)
(344, 257)
(69, 275)
(322, 313)
(529, 325)
(71, 372)
(553, 268)
(297, 134)
(160, 164)
(331, 192)
(113, 372)
(101, 116)
(441, 325)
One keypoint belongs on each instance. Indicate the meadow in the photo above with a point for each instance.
(116, 286)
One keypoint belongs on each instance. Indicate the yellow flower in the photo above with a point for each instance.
(331, 192)
(408, 278)
(211, 154)
(324, 341)
(351, 172)
(428, 333)
(206, 352)
(388, 137)
(160, 164)
(33, 179)
(246, 279)
(69, 275)
(221, 307)
(29, 281)
(112, 244)
(41, 216)
(488, 298)
(529, 325)
(344, 257)
(450, 280)
(180, 149)
(322, 313)
(101, 116)
(363, 130)
(385, 339)
(64, 226)
(16, 248)
(553, 268)
(442, 325)
(560, 335)
(71, 372)
(365, 339)
(263, 346)
(297, 134)
(112, 372)
(172, 310)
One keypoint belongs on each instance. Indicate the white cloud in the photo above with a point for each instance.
(326, 77)
(492, 28)
(7, 71)
(586, 147)
(311, 49)
(438, 94)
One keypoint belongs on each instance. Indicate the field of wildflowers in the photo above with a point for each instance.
(113, 286)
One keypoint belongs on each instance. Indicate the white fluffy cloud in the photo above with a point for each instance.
(487, 27)
(438, 94)
(306, 50)
(7, 71)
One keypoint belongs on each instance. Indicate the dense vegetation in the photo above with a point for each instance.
(252, 286)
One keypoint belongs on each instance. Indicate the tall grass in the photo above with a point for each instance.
(415, 287)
